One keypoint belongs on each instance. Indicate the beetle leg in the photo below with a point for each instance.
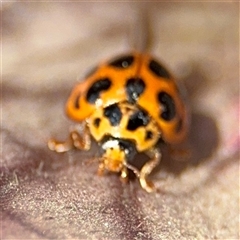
(101, 168)
(124, 174)
(78, 138)
(147, 169)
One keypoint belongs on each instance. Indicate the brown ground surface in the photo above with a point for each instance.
(45, 195)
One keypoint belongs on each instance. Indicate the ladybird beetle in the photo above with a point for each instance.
(127, 105)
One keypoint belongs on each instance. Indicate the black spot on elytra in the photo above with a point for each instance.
(76, 103)
(113, 113)
(96, 122)
(149, 135)
(159, 70)
(138, 119)
(134, 88)
(167, 106)
(122, 62)
(97, 87)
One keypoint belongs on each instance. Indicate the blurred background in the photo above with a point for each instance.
(46, 48)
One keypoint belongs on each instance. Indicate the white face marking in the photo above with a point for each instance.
(113, 144)
(110, 144)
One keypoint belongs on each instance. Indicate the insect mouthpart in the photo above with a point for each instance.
(117, 153)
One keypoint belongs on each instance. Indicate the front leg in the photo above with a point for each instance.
(79, 138)
(147, 169)
(124, 175)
